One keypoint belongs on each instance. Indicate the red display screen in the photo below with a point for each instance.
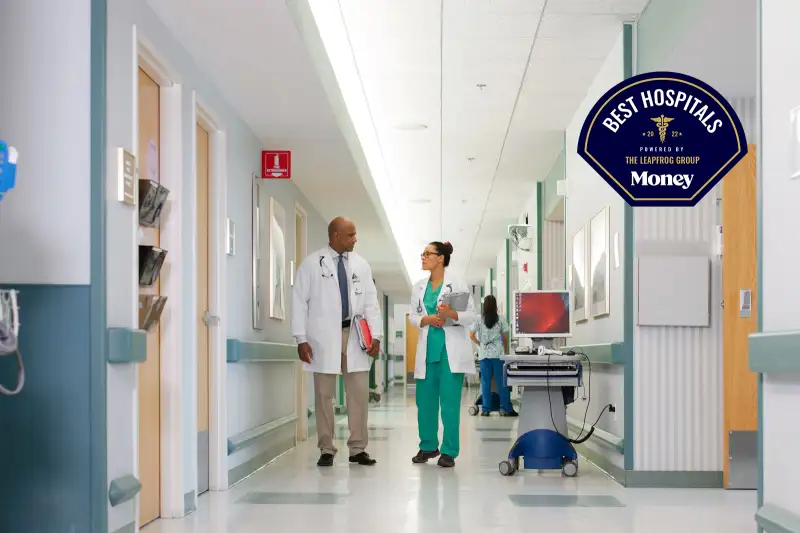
(542, 314)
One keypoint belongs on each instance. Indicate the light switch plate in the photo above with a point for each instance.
(230, 240)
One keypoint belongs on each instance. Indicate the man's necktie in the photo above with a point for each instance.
(343, 289)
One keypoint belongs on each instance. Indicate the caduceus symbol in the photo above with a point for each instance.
(662, 123)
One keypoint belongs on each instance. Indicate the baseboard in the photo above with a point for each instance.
(652, 479)
(188, 503)
(129, 528)
(606, 465)
(275, 443)
(673, 480)
(774, 519)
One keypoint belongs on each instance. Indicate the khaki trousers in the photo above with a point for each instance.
(356, 387)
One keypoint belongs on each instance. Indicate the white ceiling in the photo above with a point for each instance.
(257, 43)
(471, 171)
(495, 82)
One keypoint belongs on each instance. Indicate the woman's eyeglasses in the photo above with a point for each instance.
(425, 255)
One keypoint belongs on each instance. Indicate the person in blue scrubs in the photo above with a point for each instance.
(490, 333)
(443, 357)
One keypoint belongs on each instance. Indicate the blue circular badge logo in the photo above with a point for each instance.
(662, 139)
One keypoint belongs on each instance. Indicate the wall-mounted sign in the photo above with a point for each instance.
(127, 185)
(276, 164)
(662, 139)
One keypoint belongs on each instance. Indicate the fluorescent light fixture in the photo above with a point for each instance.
(332, 31)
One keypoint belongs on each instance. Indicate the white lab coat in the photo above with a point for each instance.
(317, 311)
(459, 347)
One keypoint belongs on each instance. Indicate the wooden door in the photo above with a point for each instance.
(150, 371)
(739, 271)
(301, 398)
(412, 334)
(202, 307)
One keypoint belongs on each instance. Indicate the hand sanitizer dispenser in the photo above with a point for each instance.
(8, 167)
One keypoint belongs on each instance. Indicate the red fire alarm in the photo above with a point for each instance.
(276, 164)
(525, 268)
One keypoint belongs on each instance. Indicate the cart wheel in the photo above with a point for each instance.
(506, 468)
(570, 469)
(473, 410)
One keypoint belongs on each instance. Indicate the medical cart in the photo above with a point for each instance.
(547, 380)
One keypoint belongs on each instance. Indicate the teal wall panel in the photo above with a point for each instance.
(47, 447)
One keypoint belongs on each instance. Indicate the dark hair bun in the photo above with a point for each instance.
(448, 248)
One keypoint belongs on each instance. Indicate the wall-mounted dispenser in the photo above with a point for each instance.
(150, 260)
(8, 167)
(152, 198)
(150, 308)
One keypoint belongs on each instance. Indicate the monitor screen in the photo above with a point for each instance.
(542, 314)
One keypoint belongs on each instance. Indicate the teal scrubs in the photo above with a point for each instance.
(439, 388)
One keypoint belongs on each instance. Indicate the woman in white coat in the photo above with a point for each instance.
(444, 355)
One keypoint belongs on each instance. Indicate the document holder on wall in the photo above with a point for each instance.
(151, 258)
(150, 308)
(152, 198)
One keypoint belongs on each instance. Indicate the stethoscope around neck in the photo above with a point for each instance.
(448, 288)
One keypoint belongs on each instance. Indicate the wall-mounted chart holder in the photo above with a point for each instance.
(150, 260)
(152, 198)
(150, 308)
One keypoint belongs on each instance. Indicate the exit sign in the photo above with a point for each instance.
(276, 164)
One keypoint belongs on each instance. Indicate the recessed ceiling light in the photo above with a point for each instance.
(411, 127)
(420, 201)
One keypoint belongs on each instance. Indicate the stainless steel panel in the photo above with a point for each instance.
(742, 460)
(202, 462)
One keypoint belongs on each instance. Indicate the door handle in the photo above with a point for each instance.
(745, 303)
(209, 319)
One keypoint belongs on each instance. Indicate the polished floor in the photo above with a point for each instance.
(293, 494)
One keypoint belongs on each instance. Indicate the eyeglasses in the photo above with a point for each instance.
(425, 255)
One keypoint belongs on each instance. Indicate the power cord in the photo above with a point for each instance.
(9, 346)
(580, 439)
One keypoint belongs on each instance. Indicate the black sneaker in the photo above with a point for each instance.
(422, 457)
(363, 459)
(446, 461)
(511, 413)
(486, 413)
(326, 459)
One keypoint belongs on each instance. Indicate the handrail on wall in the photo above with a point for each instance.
(618, 443)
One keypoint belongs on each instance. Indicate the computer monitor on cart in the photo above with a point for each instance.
(542, 314)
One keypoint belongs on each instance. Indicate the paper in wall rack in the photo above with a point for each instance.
(151, 258)
(150, 308)
(152, 198)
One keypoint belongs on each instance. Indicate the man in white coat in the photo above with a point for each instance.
(332, 286)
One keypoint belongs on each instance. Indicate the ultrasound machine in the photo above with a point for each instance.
(548, 379)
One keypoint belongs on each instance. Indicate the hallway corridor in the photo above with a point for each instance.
(293, 494)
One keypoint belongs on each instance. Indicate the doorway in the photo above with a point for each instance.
(412, 334)
(203, 316)
(301, 377)
(149, 389)
(739, 320)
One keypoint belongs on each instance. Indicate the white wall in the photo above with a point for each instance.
(553, 255)
(589, 193)
(528, 279)
(780, 77)
(44, 220)
(248, 384)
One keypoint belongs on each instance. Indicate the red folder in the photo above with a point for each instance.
(364, 334)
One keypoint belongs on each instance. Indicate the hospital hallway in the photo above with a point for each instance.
(395, 496)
